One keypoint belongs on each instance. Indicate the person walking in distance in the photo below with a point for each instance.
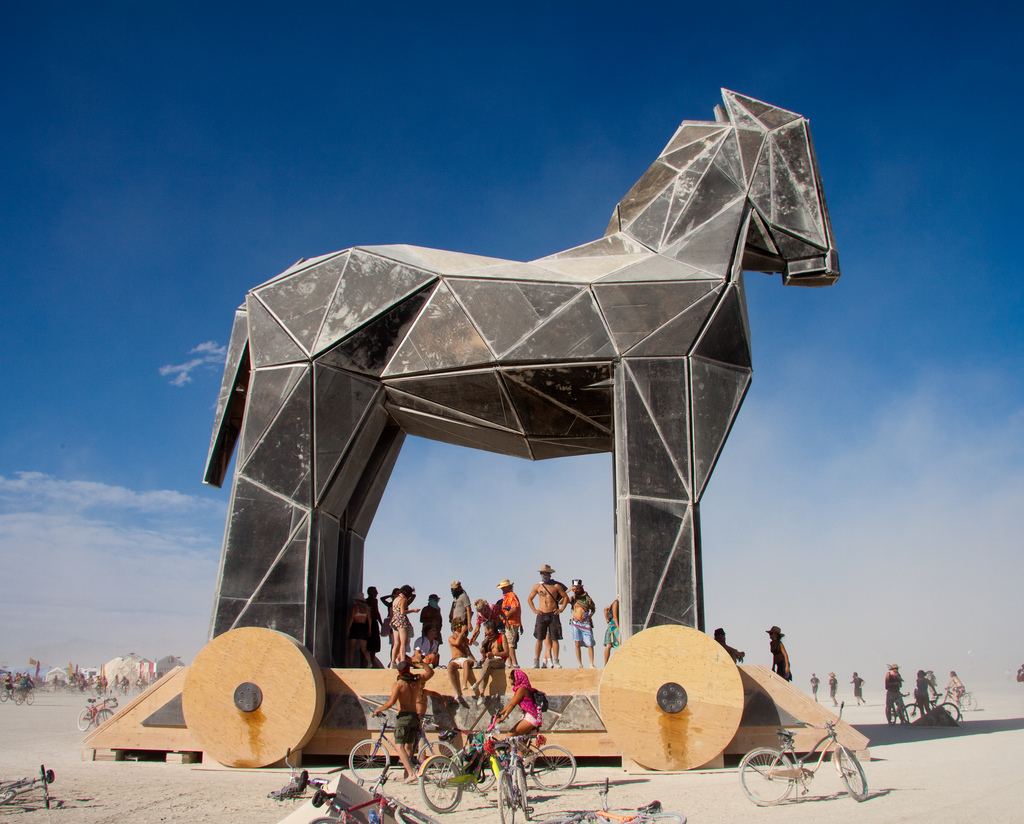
(815, 681)
(548, 627)
(780, 658)
(858, 688)
(833, 686)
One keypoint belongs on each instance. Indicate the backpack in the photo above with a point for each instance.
(541, 700)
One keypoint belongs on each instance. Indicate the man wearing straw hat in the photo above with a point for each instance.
(513, 614)
(548, 629)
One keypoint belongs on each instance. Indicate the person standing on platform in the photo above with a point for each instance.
(780, 658)
(612, 637)
(513, 614)
(582, 622)
(548, 627)
(734, 653)
(373, 645)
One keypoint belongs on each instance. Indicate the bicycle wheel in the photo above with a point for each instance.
(519, 775)
(19, 698)
(506, 801)
(439, 788)
(407, 815)
(952, 709)
(766, 776)
(967, 701)
(368, 759)
(84, 719)
(850, 773)
(553, 768)
(903, 714)
(430, 748)
(4, 695)
(103, 716)
(30, 698)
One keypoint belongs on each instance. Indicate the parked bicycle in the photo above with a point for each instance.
(768, 776)
(510, 771)
(9, 790)
(96, 713)
(372, 756)
(379, 806)
(896, 709)
(650, 814)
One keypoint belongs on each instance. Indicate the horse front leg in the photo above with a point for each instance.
(657, 529)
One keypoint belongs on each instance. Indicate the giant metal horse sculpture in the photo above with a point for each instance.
(636, 343)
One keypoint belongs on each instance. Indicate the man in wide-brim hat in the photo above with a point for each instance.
(552, 599)
(513, 614)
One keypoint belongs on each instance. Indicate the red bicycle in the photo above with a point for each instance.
(96, 713)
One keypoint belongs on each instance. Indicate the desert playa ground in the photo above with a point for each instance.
(975, 773)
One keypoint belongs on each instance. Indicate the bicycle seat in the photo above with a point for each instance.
(786, 737)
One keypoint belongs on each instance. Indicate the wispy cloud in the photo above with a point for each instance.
(211, 356)
(127, 569)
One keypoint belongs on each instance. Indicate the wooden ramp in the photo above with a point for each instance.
(154, 722)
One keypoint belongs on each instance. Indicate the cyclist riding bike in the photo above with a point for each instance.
(955, 686)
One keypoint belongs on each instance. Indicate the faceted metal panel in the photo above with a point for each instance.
(516, 358)
(369, 348)
(268, 390)
(678, 335)
(664, 388)
(634, 310)
(300, 300)
(282, 459)
(340, 402)
(269, 343)
(369, 286)
(576, 331)
(480, 394)
(717, 392)
(461, 434)
(505, 311)
(443, 337)
(725, 338)
(584, 388)
(650, 471)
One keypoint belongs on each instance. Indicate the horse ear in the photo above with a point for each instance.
(748, 113)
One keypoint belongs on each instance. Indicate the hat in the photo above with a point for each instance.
(894, 666)
(360, 596)
(404, 664)
(719, 631)
(479, 602)
(577, 582)
(776, 630)
(831, 675)
(505, 582)
(456, 585)
(545, 570)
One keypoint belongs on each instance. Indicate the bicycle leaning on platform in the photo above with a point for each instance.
(768, 776)
(372, 756)
(96, 713)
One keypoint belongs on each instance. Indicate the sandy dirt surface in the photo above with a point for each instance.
(935, 775)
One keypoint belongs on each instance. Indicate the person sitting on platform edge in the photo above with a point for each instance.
(494, 651)
(427, 648)
(582, 622)
(486, 612)
(408, 694)
(548, 627)
(513, 614)
(734, 653)
(780, 658)
(458, 643)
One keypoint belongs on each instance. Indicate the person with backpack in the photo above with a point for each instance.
(528, 700)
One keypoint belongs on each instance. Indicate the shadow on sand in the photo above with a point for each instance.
(882, 734)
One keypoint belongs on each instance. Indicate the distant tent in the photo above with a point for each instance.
(166, 664)
(56, 674)
(132, 666)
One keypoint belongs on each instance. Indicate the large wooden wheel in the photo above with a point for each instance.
(671, 698)
(251, 695)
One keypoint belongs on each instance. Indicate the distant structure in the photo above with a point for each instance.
(636, 343)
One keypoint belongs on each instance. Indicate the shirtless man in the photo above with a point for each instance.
(548, 629)
(408, 694)
(462, 659)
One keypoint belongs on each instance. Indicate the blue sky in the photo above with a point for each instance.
(156, 163)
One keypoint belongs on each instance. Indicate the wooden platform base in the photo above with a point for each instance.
(153, 721)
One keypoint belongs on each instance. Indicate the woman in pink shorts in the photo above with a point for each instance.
(522, 697)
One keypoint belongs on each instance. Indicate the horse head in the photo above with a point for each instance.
(750, 174)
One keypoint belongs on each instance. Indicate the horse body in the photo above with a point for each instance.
(636, 343)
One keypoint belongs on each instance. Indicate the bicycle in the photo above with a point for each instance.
(372, 756)
(98, 712)
(511, 775)
(650, 814)
(9, 790)
(386, 805)
(952, 709)
(965, 701)
(442, 779)
(768, 776)
(896, 710)
(24, 695)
